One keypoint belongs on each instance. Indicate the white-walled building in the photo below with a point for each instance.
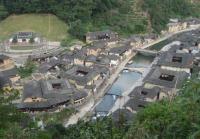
(24, 37)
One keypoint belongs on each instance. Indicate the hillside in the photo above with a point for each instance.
(49, 26)
(125, 17)
(160, 11)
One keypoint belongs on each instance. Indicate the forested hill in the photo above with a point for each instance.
(124, 16)
(161, 10)
(83, 15)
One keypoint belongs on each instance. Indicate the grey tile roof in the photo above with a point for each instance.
(32, 89)
(136, 104)
(97, 45)
(45, 55)
(80, 54)
(52, 96)
(4, 57)
(91, 58)
(45, 67)
(102, 35)
(67, 57)
(140, 92)
(123, 114)
(4, 81)
(166, 59)
(9, 73)
(120, 50)
(44, 89)
(22, 35)
(154, 77)
(192, 21)
(50, 92)
(113, 57)
(103, 60)
(79, 95)
(83, 79)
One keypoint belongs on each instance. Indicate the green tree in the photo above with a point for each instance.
(177, 119)
(27, 69)
(77, 29)
(12, 121)
(3, 12)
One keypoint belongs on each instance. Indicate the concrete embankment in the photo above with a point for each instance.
(89, 107)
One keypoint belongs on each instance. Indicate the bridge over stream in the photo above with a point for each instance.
(147, 52)
(139, 70)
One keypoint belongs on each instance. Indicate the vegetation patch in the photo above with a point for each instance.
(27, 69)
(47, 25)
(161, 11)
(55, 117)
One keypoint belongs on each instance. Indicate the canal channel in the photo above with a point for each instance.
(124, 82)
(127, 79)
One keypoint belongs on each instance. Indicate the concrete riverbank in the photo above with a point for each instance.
(89, 107)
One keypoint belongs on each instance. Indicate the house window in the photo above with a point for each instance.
(81, 73)
(1, 61)
(196, 44)
(166, 77)
(141, 106)
(98, 60)
(102, 37)
(177, 59)
(34, 99)
(144, 93)
(57, 85)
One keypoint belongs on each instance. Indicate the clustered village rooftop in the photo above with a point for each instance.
(166, 77)
(85, 68)
(69, 78)
(8, 73)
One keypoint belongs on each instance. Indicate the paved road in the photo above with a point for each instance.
(89, 107)
(81, 113)
(170, 35)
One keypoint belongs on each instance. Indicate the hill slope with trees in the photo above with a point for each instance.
(169, 119)
(161, 11)
(124, 16)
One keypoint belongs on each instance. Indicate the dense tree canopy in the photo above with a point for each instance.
(86, 15)
(12, 121)
(176, 119)
(122, 16)
(161, 11)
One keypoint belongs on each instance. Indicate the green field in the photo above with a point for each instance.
(49, 26)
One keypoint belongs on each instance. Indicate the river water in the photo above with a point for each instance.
(124, 82)
(127, 79)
